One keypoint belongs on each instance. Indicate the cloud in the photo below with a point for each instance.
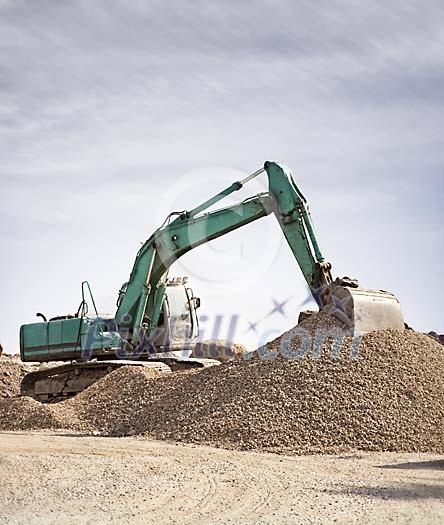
(104, 104)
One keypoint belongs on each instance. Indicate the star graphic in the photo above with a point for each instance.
(340, 305)
(252, 326)
(279, 307)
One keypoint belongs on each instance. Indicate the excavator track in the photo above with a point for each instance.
(61, 382)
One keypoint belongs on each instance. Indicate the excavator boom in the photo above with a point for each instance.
(142, 296)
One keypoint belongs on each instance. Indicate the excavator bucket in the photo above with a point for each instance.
(363, 310)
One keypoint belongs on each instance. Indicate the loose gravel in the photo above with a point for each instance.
(12, 371)
(294, 395)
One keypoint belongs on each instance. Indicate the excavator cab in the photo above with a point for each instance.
(178, 325)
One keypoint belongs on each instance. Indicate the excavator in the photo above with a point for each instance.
(156, 324)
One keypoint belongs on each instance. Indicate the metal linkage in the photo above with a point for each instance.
(221, 195)
(252, 176)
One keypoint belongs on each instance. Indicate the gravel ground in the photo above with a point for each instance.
(50, 478)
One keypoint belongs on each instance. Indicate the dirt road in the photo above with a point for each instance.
(61, 478)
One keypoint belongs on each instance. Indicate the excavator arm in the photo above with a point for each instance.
(143, 295)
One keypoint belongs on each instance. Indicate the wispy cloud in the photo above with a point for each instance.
(104, 104)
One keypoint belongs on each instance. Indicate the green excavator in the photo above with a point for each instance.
(156, 325)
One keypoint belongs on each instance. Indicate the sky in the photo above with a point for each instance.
(115, 113)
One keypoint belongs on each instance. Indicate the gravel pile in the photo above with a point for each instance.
(387, 394)
(11, 372)
(219, 349)
(437, 337)
(25, 413)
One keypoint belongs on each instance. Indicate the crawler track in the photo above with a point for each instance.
(60, 382)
